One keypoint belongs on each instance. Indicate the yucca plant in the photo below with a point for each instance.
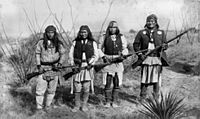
(168, 107)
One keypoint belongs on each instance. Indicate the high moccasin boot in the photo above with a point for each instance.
(77, 102)
(85, 100)
(108, 98)
(115, 98)
(39, 101)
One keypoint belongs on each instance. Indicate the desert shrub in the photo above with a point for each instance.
(23, 59)
(168, 107)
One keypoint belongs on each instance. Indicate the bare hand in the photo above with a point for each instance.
(164, 46)
(106, 59)
(89, 66)
(40, 69)
(142, 57)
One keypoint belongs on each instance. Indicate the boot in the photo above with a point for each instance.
(77, 102)
(85, 100)
(115, 98)
(143, 93)
(39, 101)
(49, 101)
(108, 98)
(156, 90)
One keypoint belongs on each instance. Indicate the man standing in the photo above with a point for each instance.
(113, 44)
(149, 38)
(83, 53)
(49, 54)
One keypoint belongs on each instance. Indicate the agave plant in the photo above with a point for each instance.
(168, 107)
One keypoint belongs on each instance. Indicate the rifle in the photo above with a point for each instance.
(96, 66)
(121, 58)
(139, 61)
(33, 74)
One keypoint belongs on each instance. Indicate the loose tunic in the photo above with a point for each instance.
(47, 58)
(116, 67)
(151, 66)
(48, 55)
(83, 75)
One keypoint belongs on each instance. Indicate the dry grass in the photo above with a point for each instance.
(25, 102)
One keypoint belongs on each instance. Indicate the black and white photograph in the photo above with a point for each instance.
(99, 59)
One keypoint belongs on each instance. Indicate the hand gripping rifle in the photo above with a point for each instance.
(33, 74)
(70, 74)
(119, 59)
(97, 67)
(139, 61)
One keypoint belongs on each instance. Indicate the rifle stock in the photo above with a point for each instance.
(33, 74)
(97, 68)
(68, 75)
(139, 61)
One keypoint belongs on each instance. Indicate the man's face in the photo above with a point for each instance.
(84, 34)
(151, 23)
(50, 35)
(113, 28)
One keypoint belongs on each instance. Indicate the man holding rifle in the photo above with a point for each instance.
(113, 45)
(150, 38)
(83, 53)
(49, 54)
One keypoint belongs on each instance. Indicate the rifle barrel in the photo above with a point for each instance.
(178, 36)
(168, 42)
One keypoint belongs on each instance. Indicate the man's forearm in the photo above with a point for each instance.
(38, 62)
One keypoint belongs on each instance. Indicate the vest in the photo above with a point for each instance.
(80, 48)
(113, 47)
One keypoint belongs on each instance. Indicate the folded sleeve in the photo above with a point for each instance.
(95, 57)
(38, 51)
(71, 53)
(124, 45)
(61, 51)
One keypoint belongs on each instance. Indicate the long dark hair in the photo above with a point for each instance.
(108, 29)
(56, 42)
(84, 27)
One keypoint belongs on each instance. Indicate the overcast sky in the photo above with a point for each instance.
(130, 14)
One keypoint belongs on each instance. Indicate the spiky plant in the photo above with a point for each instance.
(168, 107)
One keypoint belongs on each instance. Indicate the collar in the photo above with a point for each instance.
(82, 41)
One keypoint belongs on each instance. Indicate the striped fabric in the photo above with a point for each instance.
(151, 74)
(151, 69)
(152, 61)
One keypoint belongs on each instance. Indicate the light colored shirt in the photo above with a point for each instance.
(48, 55)
(124, 45)
(152, 60)
(113, 68)
(84, 74)
(92, 60)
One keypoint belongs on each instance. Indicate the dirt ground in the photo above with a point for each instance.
(185, 84)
